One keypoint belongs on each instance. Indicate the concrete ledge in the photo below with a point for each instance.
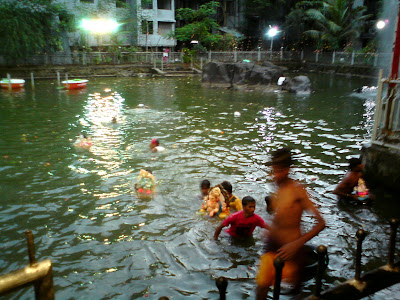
(381, 166)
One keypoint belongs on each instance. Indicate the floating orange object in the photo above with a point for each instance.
(75, 84)
(15, 83)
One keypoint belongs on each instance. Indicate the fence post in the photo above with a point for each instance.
(376, 59)
(235, 55)
(32, 81)
(394, 223)
(259, 54)
(9, 81)
(281, 53)
(352, 57)
(316, 56)
(201, 63)
(360, 238)
(301, 55)
(209, 56)
(278, 264)
(321, 250)
(84, 59)
(333, 57)
(58, 78)
(162, 64)
(154, 60)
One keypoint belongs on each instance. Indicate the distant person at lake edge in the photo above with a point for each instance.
(234, 202)
(285, 239)
(352, 187)
(204, 189)
(242, 223)
(155, 146)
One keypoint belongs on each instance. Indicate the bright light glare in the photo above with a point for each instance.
(273, 31)
(99, 25)
(380, 24)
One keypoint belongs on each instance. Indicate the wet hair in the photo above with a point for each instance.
(149, 170)
(248, 199)
(282, 157)
(205, 184)
(354, 162)
(227, 186)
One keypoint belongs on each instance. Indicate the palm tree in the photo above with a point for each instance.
(336, 22)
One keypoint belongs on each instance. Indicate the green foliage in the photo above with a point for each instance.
(200, 25)
(336, 23)
(188, 55)
(30, 27)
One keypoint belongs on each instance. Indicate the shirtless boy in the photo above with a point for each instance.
(242, 223)
(285, 239)
(344, 190)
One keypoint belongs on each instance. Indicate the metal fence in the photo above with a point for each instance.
(387, 114)
(156, 58)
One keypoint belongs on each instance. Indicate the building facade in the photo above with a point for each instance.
(143, 23)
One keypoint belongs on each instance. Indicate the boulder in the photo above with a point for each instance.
(229, 74)
(298, 84)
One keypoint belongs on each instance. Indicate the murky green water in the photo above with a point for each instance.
(107, 243)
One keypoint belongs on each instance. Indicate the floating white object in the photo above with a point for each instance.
(281, 80)
(140, 105)
(236, 114)
(15, 83)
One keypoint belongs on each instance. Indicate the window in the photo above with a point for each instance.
(147, 27)
(164, 4)
(164, 27)
(147, 4)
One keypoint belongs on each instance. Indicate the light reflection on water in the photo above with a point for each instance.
(105, 242)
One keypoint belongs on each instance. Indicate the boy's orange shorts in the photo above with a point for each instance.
(266, 271)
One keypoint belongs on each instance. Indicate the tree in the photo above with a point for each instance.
(30, 27)
(200, 25)
(336, 23)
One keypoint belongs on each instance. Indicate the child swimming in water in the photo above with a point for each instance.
(155, 146)
(84, 142)
(242, 223)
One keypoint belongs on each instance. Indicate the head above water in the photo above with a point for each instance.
(205, 184)
(247, 200)
(354, 163)
(154, 143)
(282, 158)
(227, 186)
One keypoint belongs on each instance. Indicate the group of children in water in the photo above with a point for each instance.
(284, 236)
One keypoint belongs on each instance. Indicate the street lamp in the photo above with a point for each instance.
(272, 31)
(99, 26)
(380, 24)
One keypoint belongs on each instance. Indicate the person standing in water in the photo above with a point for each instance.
(155, 146)
(352, 181)
(285, 239)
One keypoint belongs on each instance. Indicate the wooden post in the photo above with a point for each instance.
(352, 57)
(333, 57)
(58, 78)
(66, 79)
(32, 81)
(9, 81)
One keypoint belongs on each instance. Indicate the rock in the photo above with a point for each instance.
(229, 74)
(298, 84)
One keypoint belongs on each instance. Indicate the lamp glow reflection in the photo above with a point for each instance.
(99, 25)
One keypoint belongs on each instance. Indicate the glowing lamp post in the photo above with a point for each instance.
(380, 24)
(272, 31)
(99, 26)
